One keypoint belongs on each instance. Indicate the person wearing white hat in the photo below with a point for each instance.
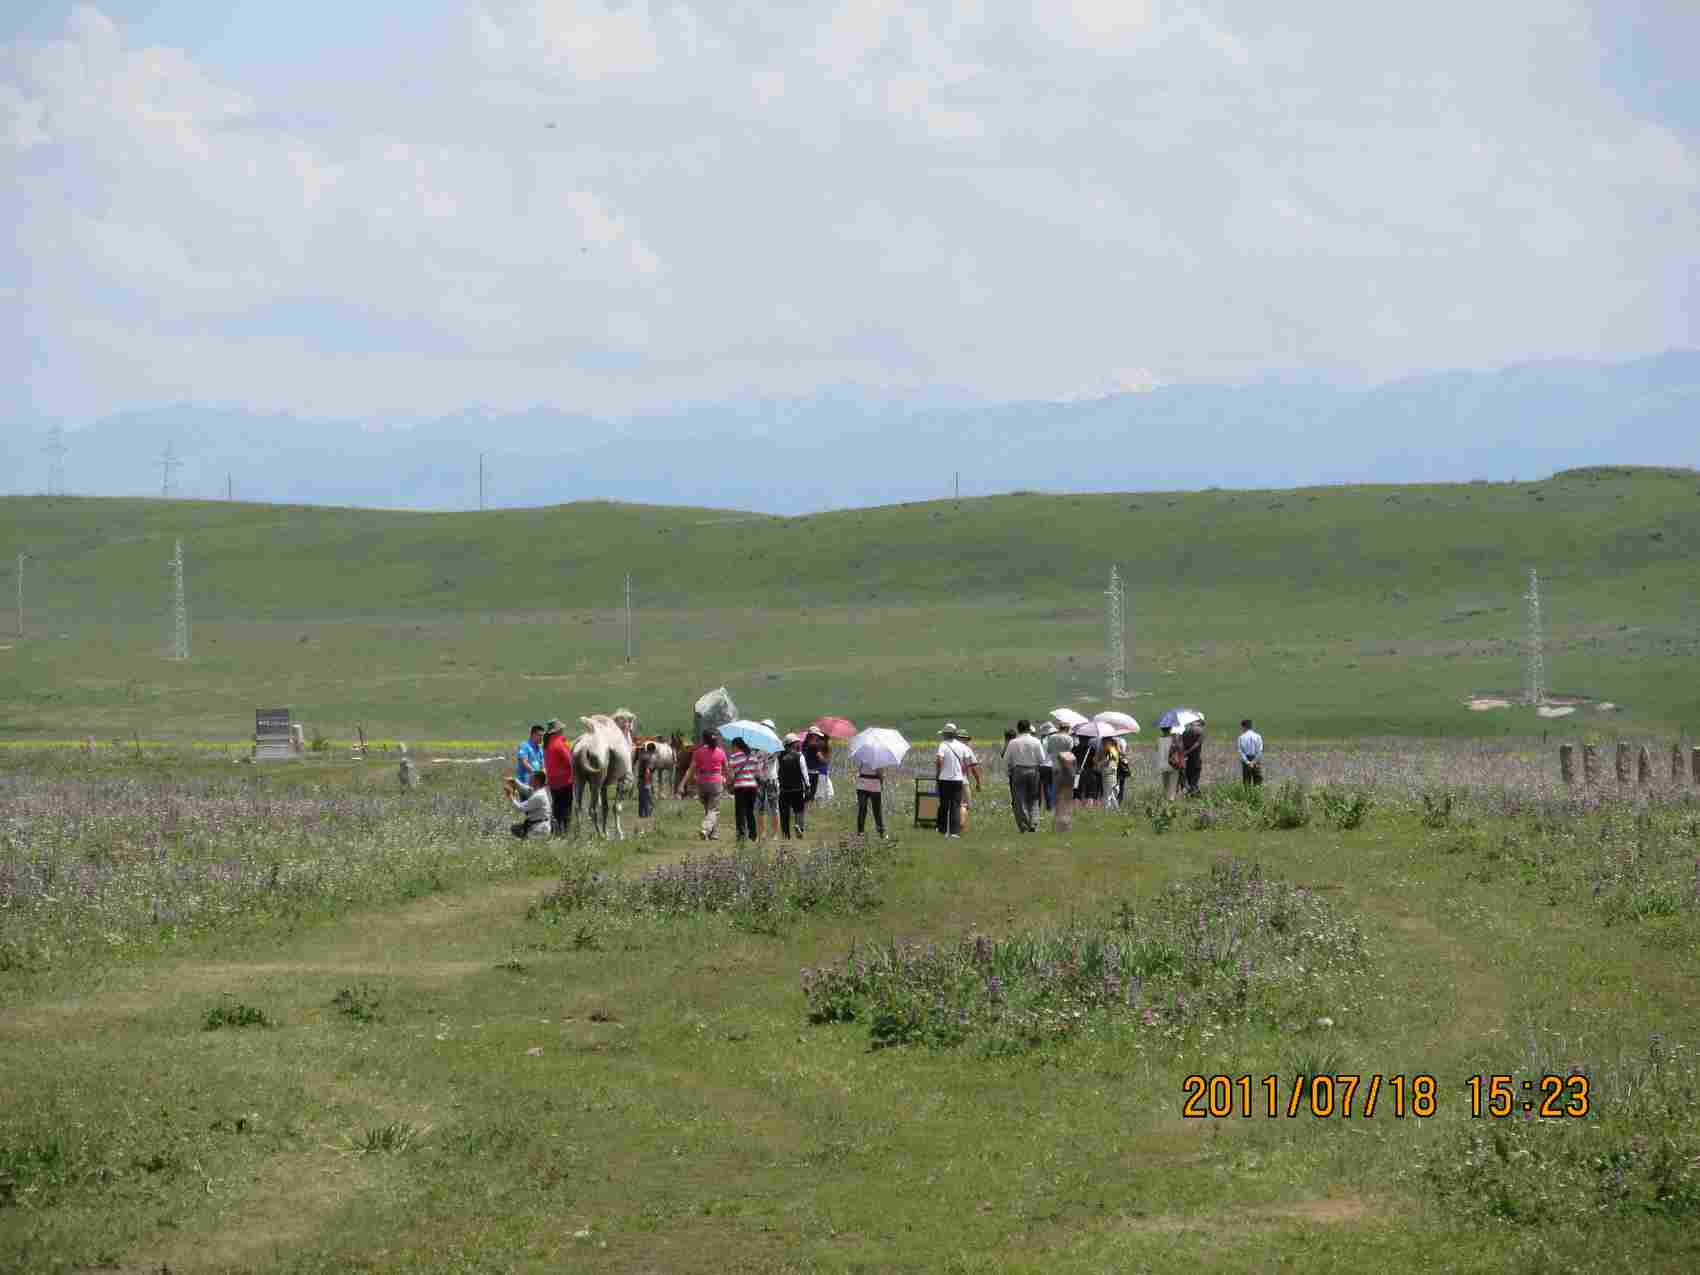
(767, 794)
(952, 765)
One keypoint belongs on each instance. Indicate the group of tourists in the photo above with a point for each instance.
(771, 788)
(1047, 767)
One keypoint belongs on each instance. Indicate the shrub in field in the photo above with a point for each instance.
(358, 1004)
(1227, 946)
(751, 884)
(1636, 1152)
(1344, 808)
(1288, 808)
(234, 1016)
(1437, 807)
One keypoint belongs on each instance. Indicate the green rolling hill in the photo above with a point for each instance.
(1327, 612)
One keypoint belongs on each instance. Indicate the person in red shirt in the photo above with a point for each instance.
(558, 772)
(708, 765)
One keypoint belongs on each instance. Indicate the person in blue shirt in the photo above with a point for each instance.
(528, 757)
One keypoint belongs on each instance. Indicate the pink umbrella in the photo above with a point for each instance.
(835, 727)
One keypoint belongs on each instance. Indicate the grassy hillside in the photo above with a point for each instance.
(1330, 611)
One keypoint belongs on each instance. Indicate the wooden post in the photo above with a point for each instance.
(1622, 762)
(1676, 764)
(1567, 763)
(1644, 766)
(1694, 765)
(1590, 763)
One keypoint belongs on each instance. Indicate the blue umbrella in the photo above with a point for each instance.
(1182, 717)
(754, 734)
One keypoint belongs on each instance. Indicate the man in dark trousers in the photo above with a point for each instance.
(793, 785)
(1192, 752)
(558, 772)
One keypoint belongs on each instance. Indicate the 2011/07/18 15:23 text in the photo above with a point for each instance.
(1347, 1095)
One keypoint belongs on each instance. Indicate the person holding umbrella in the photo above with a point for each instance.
(872, 751)
(817, 751)
(746, 770)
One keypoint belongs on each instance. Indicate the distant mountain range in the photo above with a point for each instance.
(850, 445)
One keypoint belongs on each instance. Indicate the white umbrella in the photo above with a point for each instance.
(754, 734)
(1121, 721)
(878, 747)
(1099, 730)
(1067, 716)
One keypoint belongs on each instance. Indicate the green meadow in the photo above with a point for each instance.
(293, 1017)
(1326, 613)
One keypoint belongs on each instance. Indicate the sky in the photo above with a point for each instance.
(359, 209)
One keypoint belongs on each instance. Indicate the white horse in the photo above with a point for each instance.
(602, 758)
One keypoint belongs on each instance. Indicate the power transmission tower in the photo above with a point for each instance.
(55, 452)
(1534, 666)
(481, 480)
(628, 619)
(1115, 605)
(168, 463)
(179, 608)
(21, 558)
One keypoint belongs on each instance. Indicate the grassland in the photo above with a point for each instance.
(1326, 613)
(291, 1018)
(431, 1063)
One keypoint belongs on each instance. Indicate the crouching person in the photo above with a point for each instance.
(533, 805)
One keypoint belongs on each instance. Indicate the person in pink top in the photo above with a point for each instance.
(708, 765)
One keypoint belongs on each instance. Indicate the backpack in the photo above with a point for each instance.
(1177, 756)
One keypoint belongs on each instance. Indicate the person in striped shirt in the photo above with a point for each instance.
(746, 769)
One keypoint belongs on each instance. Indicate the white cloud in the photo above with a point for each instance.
(1012, 198)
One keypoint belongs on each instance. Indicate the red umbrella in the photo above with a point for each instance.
(835, 727)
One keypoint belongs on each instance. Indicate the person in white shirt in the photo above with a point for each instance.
(953, 763)
(767, 795)
(1048, 767)
(533, 806)
(1025, 755)
(1251, 755)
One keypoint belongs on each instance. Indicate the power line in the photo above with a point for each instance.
(168, 466)
(1534, 672)
(55, 452)
(1115, 606)
(179, 607)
